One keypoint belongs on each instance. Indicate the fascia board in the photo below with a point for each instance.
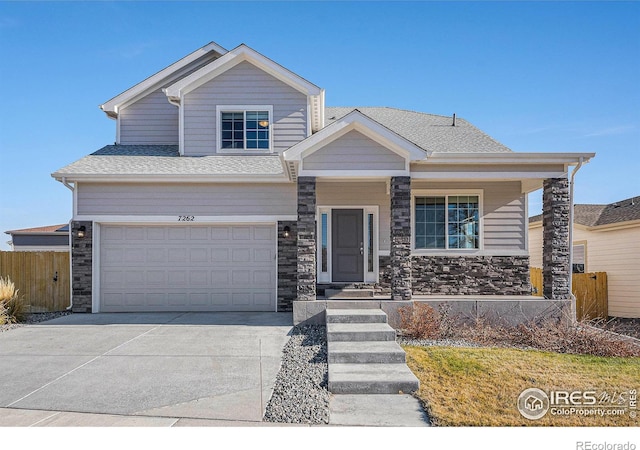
(507, 158)
(40, 233)
(615, 226)
(112, 105)
(232, 58)
(363, 124)
(178, 178)
(486, 176)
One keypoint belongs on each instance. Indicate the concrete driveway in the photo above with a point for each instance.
(160, 368)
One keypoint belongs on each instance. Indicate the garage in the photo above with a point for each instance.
(187, 268)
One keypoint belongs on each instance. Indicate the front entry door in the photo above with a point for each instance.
(347, 246)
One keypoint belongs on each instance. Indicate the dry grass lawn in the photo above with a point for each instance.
(480, 386)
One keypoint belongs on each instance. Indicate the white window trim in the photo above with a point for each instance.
(444, 193)
(369, 277)
(242, 108)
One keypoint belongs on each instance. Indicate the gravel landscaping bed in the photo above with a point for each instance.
(34, 318)
(300, 394)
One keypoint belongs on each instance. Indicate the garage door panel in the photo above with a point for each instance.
(188, 268)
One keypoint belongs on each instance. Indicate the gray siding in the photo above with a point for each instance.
(504, 212)
(40, 240)
(358, 194)
(243, 84)
(150, 120)
(187, 199)
(506, 168)
(354, 151)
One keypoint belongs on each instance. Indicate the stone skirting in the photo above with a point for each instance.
(81, 267)
(287, 266)
(471, 275)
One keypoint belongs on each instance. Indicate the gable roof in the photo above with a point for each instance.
(244, 53)
(163, 162)
(430, 132)
(48, 229)
(591, 215)
(169, 74)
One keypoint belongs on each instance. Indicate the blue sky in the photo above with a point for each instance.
(542, 76)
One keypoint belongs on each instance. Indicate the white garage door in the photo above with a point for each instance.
(187, 268)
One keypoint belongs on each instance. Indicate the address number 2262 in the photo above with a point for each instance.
(186, 218)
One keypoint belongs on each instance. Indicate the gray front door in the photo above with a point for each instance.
(347, 245)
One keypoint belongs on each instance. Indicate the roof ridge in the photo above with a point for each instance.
(398, 109)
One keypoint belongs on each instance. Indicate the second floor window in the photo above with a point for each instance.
(245, 130)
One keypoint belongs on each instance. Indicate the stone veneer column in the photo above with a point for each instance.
(555, 246)
(400, 238)
(287, 266)
(306, 238)
(81, 267)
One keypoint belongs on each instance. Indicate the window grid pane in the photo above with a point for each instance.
(370, 232)
(245, 130)
(323, 231)
(447, 222)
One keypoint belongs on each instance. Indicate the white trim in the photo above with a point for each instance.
(181, 130)
(173, 219)
(184, 178)
(327, 277)
(507, 158)
(486, 176)
(113, 105)
(231, 59)
(526, 228)
(350, 173)
(118, 132)
(357, 121)
(445, 193)
(74, 199)
(243, 109)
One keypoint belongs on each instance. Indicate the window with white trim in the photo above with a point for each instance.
(247, 128)
(450, 221)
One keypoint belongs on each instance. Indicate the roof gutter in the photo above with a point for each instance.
(571, 185)
(64, 181)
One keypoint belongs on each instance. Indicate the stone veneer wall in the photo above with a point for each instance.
(287, 266)
(400, 238)
(81, 267)
(555, 238)
(471, 275)
(306, 241)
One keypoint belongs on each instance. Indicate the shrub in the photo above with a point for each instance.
(12, 308)
(422, 321)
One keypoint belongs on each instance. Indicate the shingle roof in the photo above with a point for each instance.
(62, 228)
(165, 160)
(593, 215)
(430, 132)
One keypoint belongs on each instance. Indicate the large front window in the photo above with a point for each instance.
(244, 129)
(447, 222)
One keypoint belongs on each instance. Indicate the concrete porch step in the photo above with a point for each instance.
(365, 352)
(348, 293)
(371, 379)
(356, 316)
(360, 332)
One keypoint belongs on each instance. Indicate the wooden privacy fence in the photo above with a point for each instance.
(590, 289)
(42, 278)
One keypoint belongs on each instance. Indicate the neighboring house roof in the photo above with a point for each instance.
(430, 132)
(141, 162)
(62, 228)
(591, 215)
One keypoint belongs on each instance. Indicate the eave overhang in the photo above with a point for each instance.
(178, 90)
(113, 106)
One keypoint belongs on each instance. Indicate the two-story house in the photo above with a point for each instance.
(232, 187)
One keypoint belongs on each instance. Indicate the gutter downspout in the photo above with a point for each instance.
(573, 297)
(64, 181)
